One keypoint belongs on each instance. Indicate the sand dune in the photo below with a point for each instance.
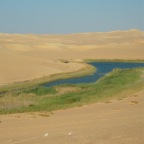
(29, 56)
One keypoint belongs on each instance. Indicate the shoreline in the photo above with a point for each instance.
(85, 70)
(116, 60)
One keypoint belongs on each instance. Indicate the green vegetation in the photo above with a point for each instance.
(113, 60)
(38, 91)
(26, 85)
(117, 84)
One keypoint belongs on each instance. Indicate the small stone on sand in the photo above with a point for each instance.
(46, 134)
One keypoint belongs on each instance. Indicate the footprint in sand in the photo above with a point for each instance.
(135, 95)
(116, 110)
(134, 102)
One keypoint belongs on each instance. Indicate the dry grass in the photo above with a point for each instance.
(12, 102)
(67, 89)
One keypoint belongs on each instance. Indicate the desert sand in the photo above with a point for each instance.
(30, 56)
(118, 122)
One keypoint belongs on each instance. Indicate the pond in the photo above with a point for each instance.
(102, 69)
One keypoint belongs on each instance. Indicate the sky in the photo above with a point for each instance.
(70, 16)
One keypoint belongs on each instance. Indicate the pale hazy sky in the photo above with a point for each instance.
(70, 16)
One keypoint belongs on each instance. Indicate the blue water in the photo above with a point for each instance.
(102, 69)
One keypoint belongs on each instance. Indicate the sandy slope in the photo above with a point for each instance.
(118, 122)
(31, 56)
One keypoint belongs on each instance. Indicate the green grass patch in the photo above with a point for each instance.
(39, 91)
